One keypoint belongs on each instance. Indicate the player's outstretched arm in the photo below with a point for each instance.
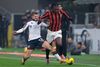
(14, 32)
(21, 30)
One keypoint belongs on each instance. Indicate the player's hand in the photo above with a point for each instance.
(14, 32)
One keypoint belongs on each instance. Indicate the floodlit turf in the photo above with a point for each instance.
(80, 61)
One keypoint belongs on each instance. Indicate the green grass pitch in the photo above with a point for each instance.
(14, 61)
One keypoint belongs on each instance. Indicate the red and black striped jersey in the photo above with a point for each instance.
(55, 19)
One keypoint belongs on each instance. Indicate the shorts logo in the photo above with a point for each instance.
(41, 40)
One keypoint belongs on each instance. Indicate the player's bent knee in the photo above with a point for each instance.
(46, 45)
(54, 52)
(45, 42)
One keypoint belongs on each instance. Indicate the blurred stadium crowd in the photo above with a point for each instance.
(4, 23)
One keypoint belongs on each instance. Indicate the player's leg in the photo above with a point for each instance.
(58, 40)
(59, 47)
(28, 51)
(65, 30)
(49, 38)
(48, 46)
(48, 52)
(26, 55)
(47, 56)
(64, 43)
(53, 45)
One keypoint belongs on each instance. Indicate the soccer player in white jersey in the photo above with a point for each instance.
(35, 38)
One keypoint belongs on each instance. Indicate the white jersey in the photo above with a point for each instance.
(34, 30)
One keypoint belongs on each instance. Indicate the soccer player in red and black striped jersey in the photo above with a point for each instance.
(54, 15)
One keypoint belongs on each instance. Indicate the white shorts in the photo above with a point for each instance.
(53, 35)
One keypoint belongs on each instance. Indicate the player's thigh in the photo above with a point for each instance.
(58, 41)
(58, 38)
(46, 45)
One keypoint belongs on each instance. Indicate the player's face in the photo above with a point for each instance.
(56, 9)
(35, 17)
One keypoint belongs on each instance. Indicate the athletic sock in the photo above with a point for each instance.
(57, 56)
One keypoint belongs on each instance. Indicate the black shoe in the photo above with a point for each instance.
(48, 61)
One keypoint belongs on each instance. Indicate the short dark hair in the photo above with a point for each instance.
(53, 5)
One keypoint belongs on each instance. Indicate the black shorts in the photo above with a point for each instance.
(35, 43)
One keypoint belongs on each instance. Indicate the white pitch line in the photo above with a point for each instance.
(51, 61)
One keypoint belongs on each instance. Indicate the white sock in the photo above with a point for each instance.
(57, 56)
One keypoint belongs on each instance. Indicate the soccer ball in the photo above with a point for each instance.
(70, 60)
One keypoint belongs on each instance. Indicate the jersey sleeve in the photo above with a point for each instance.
(23, 28)
(66, 14)
(46, 15)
